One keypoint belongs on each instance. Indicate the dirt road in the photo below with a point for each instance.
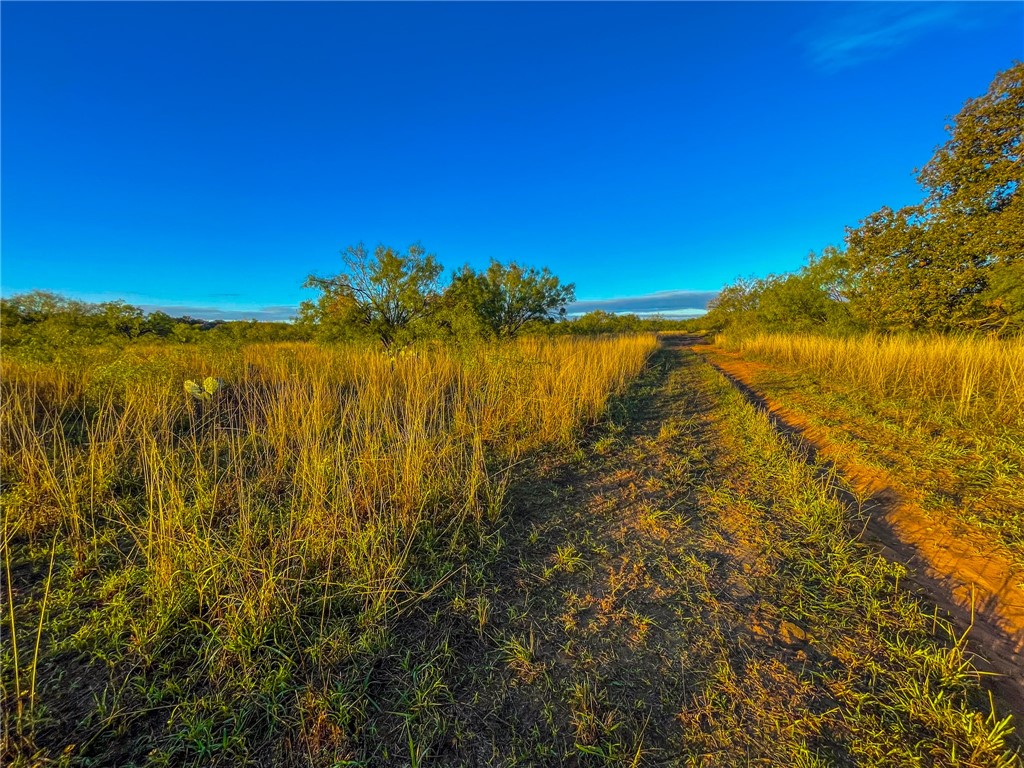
(689, 591)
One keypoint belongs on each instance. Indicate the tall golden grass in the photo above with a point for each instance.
(306, 486)
(973, 377)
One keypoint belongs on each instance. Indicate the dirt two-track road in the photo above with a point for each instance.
(700, 587)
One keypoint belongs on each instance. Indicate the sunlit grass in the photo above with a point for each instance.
(273, 526)
(976, 377)
(942, 417)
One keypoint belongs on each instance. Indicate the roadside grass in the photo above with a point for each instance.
(230, 575)
(978, 379)
(896, 684)
(943, 417)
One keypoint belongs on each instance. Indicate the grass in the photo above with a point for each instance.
(215, 573)
(977, 379)
(899, 686)
(941, 416)
(344, 558)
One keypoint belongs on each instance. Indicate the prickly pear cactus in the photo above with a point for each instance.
(204, 391)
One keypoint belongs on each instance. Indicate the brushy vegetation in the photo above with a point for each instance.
(215, 555)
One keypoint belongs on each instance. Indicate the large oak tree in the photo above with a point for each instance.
(943, 264)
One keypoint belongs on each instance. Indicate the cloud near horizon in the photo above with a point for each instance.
(667, 303)
(278, 313)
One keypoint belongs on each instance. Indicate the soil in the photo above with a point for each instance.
(959, 569)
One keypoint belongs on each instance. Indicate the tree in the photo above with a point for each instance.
(504, 298)
(382, 295)
(159, 324)
(48, 321)
(809, 300)
(1005, 297)
(737, 307)
(930, 266)
(123, 319)
(977, 172)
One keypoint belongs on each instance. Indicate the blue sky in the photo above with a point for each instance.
(207, 157)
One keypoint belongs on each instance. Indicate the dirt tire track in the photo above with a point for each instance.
(981, 590)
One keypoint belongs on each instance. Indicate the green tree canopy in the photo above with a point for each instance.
(1005, 296)
(383, 294)
(506, 297)
(807, 300)
(933, 266)
(123, 319)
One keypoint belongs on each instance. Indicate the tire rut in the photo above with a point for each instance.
(980, 591)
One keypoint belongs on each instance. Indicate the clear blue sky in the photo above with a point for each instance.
(210, 156)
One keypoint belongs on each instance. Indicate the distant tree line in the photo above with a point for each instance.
(42, 322)
(385, 296)
(599, 321)
(953, 262)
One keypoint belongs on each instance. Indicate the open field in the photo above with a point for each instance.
(211, 559)
(548, 552)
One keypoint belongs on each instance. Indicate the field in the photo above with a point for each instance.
(550, 551)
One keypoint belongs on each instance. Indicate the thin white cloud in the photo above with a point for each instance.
(874, 30)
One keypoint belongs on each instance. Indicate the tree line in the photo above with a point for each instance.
(396, 297)
(43, 322)
(385, 296)
(953, 262)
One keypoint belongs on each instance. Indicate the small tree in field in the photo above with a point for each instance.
(380, 295)
(506, 297)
